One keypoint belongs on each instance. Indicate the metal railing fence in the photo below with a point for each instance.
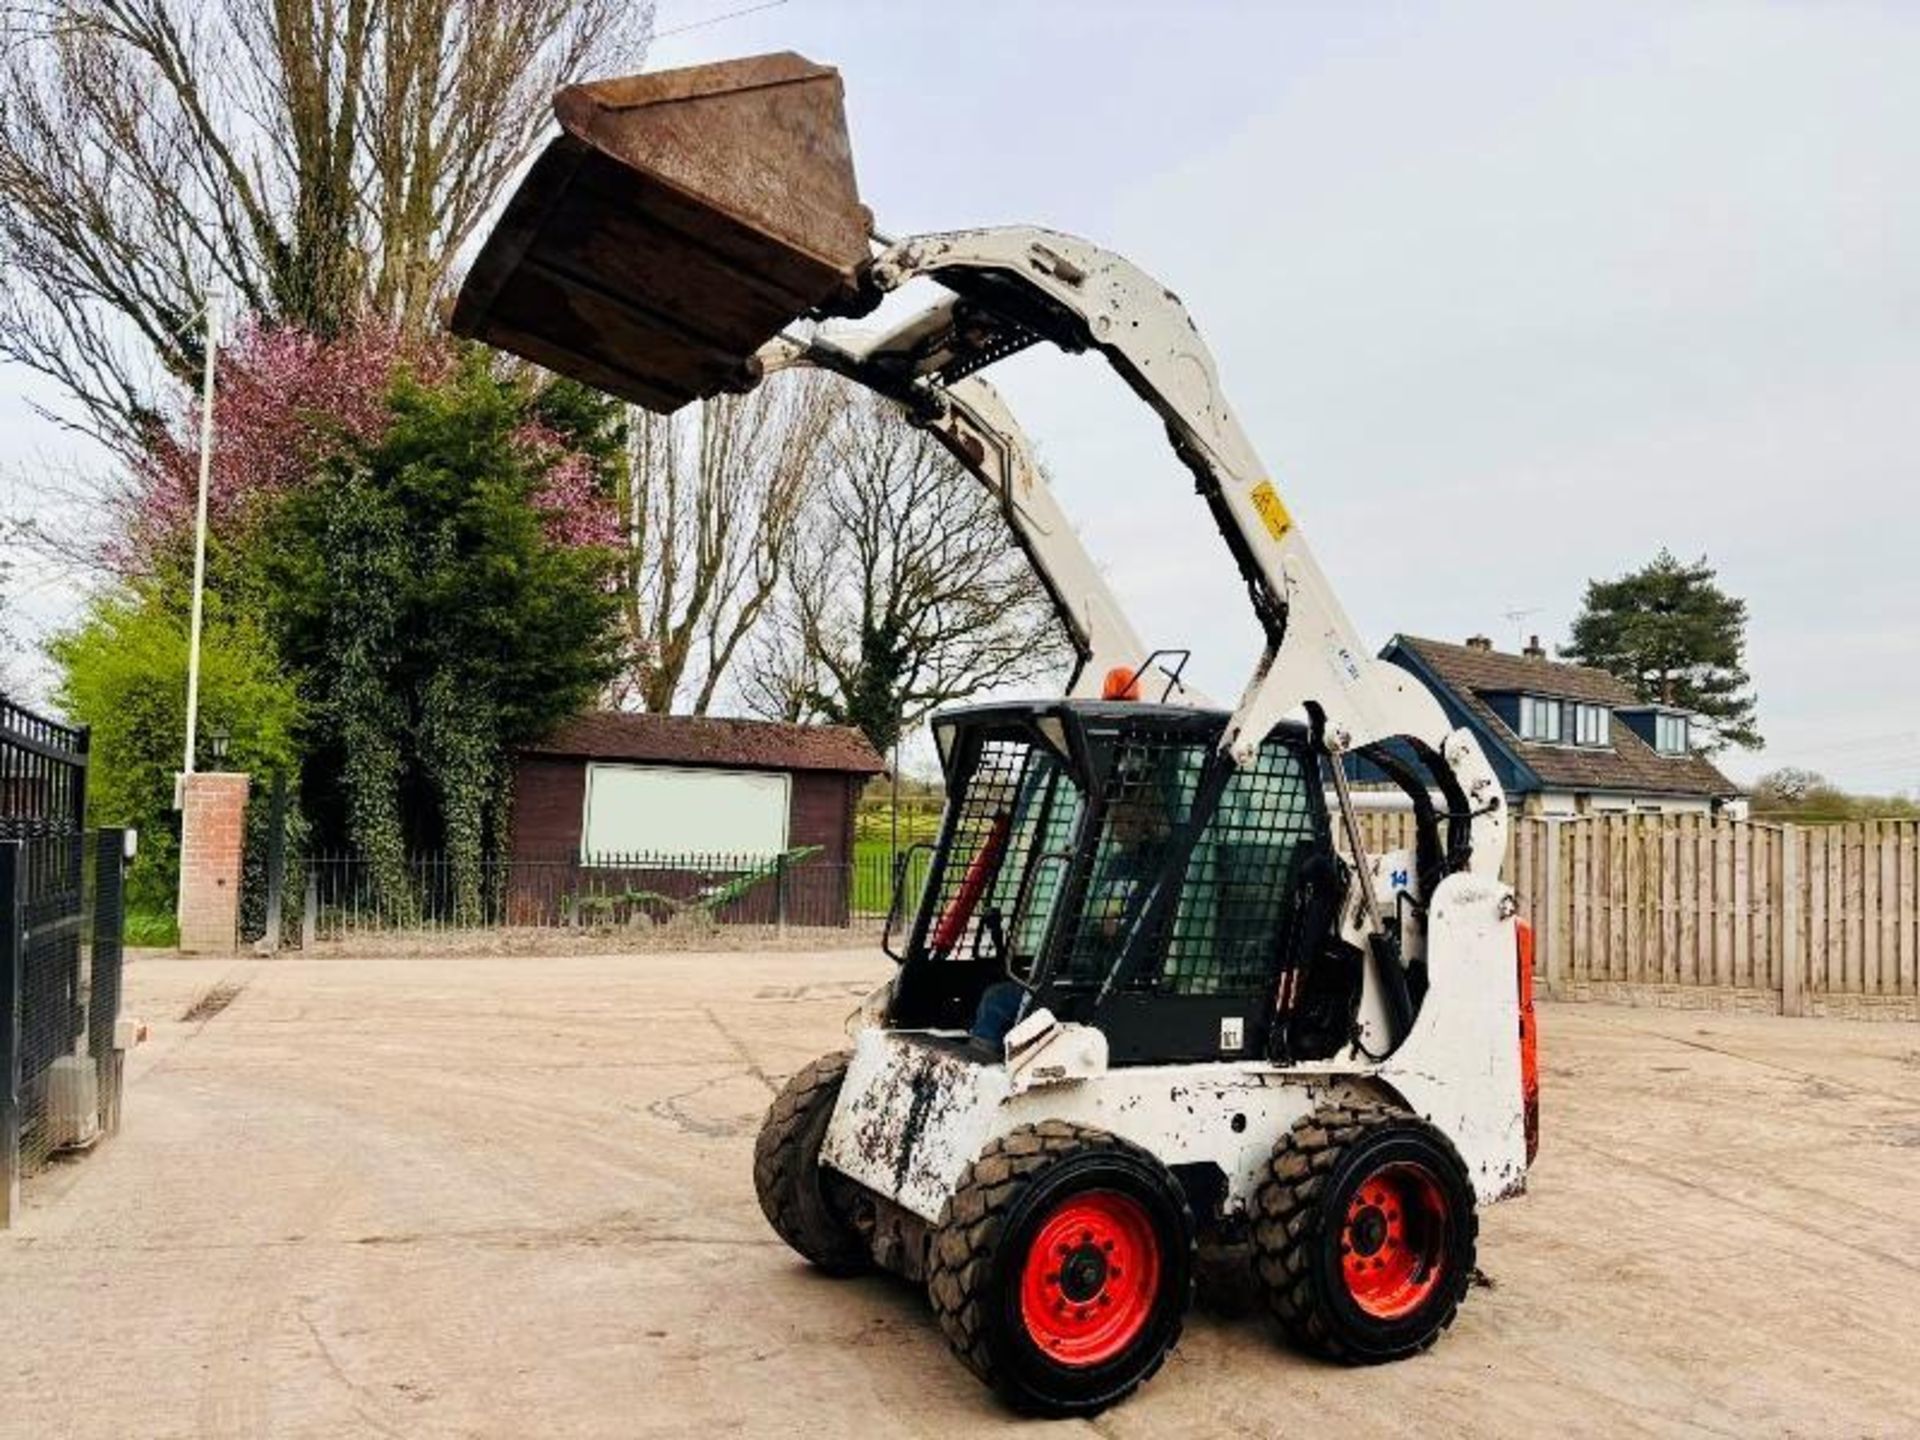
(336, 896)
(60, 955)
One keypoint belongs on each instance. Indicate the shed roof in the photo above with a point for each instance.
(712, 740)
(1628, 765)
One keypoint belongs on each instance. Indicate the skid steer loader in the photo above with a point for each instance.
(1153, 990)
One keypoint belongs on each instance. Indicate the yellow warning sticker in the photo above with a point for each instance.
(1267, 501)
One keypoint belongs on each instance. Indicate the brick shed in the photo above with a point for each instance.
(694, 794)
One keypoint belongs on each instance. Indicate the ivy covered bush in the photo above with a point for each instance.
(443, 596)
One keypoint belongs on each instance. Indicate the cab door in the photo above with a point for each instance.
(1189, 896)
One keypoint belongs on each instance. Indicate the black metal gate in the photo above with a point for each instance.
(59, 996)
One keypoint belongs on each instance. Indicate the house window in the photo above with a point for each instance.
(1670, 734)
(1590, 724)
(1539, 719)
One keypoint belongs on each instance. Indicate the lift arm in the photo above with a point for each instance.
(1017, 285)
(683, 220)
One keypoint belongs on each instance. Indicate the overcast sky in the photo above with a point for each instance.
(1508, 296)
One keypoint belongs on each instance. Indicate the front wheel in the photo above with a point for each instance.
(800, 1200)
(1364, 1232)
(1063, 1267)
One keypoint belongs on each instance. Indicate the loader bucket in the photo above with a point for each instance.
(679, 221)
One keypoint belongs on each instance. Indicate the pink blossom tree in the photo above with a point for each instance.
(287, 403)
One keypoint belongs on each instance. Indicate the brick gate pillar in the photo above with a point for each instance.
(213, 816)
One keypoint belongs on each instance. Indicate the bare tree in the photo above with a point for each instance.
(908, 592)
(9, 646)
(316, 158)
(712, 506)
(781, 678)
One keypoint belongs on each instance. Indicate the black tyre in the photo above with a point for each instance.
(1063, 1267)
(803, 1203)
(1364, 1232)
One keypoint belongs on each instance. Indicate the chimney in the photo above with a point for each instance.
(1533, 650)
(1479, 642)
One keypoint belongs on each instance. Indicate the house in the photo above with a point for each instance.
(690, 796)
(1566, 739)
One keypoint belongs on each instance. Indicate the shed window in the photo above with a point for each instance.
(657, 810)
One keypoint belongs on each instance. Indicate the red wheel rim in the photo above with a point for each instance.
(1393, 1243)
(1090, 1278)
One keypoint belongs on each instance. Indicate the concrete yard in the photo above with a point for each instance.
(511, 1197)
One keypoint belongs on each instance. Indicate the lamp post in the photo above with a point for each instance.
(200, 527)
(212, 814)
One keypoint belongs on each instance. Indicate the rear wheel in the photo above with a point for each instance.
(1364, 1233)
(800, 1200)
(1063, 1267)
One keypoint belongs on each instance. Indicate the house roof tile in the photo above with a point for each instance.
(1628, 766)
(713, 740)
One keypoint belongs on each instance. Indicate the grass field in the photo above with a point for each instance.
(876, 831)
(873, 873)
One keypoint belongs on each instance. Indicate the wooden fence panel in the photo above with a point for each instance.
(1870, 908)
(1528, 889)
(1887, 912)
(1620, 893)
(1824, 947)
(1819, 938)
(1764, 887)
(1837, 910)
(1723, 903)
(1667, 872)
(1709, 869)
(1740, 845)
(1687, 897)
(1810, 913)
(1869, 885)
(1851, 843)
(1653, 863)
(1579, 966)
(1632, 927)
(1899, 905)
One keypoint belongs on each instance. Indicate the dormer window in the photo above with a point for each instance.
(1562, 722)
(1540, 719)
(1664, 728)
